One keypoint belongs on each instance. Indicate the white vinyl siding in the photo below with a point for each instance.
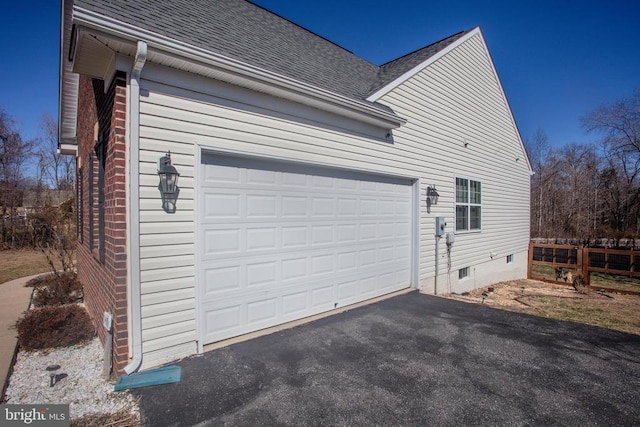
(184, 121)
(459, 125)
(457, 98)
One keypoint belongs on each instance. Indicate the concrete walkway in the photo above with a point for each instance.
(14, 300)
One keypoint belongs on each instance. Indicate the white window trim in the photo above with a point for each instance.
(469, 230)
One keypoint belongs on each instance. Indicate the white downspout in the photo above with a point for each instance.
(134, 200)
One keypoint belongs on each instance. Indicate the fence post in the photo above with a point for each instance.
(585, 266)
(530, 264)
(580, 267)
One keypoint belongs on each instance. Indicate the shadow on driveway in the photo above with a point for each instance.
(411, 360)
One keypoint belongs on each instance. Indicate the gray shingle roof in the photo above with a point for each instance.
(247, 32)
(392, 70)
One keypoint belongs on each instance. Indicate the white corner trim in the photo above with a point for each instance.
(415, 235)
(200, 328)
(418, 68)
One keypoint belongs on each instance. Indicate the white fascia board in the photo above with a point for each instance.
(418, 68)
(121, 30)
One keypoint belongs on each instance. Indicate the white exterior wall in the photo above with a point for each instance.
(457, 97)
(211, 115)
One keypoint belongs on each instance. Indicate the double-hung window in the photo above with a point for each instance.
(468, 205)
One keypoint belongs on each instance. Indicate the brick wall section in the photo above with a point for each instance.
(105, 284)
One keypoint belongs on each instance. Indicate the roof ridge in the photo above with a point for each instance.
(304, 28)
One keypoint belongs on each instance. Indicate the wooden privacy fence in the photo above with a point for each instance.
(584, 260)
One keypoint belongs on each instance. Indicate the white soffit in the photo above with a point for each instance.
(69, 83)
(92, 57)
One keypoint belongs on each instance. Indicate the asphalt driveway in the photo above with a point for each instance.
(411, 360)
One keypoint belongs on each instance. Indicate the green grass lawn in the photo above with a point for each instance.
(609, 281)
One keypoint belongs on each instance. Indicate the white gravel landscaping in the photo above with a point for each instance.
(83, 388)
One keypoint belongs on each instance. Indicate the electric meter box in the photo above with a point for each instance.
(441, 224)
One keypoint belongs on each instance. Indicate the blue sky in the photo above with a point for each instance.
(557, 60)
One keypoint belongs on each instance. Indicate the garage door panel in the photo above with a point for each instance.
(261, 177)
(225, 318)
(261, 274)
(293, 180)
(242, 274)
(222, 280)
(294, 303)
(322, 297)
(261, 206)
(294, 206)
(261, 238)
(221, 174)
(261, 311)
(322, 264)
(235, 238)
(281, 242)
(221, 241)
(348, 290)
(221, 205)
(231, 278)
(224, 321)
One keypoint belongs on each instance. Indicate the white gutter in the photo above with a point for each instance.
(193, 53)
(134, 210)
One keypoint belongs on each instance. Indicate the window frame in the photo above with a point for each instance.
(463, 273)
(80, 204)
(468, 204)
(91, 203)
(101, 154)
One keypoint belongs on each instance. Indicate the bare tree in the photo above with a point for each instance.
(56, 170)
(619, 125)
(538, 151)
(579, 177)
(14, 153)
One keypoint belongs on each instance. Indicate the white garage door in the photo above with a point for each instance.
(279, 242)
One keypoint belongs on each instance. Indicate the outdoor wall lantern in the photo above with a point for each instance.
(432, 197)
(168, 183)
